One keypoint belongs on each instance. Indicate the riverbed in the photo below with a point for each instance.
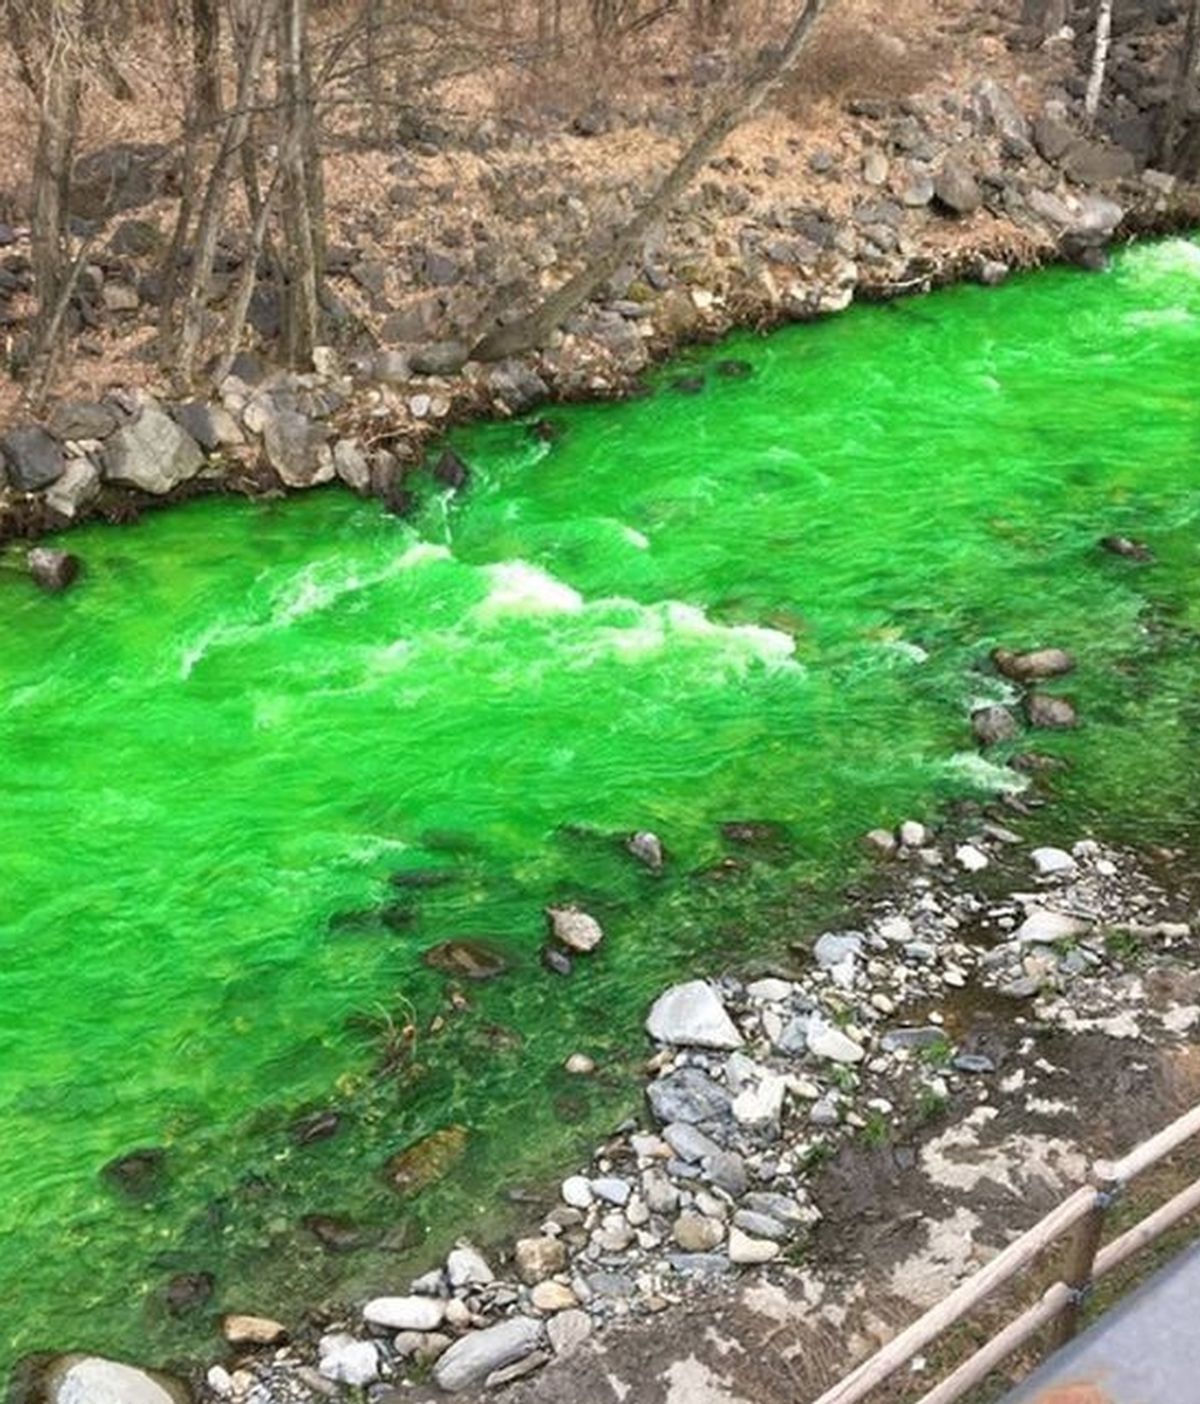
(266, 756)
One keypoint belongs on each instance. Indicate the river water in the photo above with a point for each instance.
(766, 601)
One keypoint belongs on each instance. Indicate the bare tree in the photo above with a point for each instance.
(206, 60)
(1100, 49)
(533, 328)
(1185, 97)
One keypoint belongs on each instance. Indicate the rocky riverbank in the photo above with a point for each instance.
(958, 181)
(995, 1013)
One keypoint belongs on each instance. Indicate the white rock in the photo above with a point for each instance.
(220, 1381)
(973, 859)
(1052, 861)
(467, 1267)
(1045, 927)
(826, 1041)
(762, 1105)
(576, 1190)
(405, 1313)
(692, 1015)
(580, 1065)
(912, 834)
(347, 1360)
(611, 1189)
(91, 1379)
(746, 1250)
(769, 989)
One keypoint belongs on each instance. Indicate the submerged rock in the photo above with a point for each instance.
(994, 725)
(647, 848)
(426, 1161)
(1045, 710)
(574, 929)
(555, 961)
(334, 1232)
(469, 959)
(53, 571)
(734, 369)
(316, 1126)
(451, 471)
(755, 833)
(1037, 663)
(691, 1015)
(139, 1174)
(1127, 547)
(187, 1291)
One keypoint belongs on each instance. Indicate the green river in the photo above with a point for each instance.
(234, 754)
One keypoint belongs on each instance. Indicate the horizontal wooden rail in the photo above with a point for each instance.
(967, 1295)
(1083, 1210)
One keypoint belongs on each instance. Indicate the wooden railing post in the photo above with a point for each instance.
(1081, 1259)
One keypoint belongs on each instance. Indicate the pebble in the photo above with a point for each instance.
(553, 1296)
(1046, 927)
(348, 1361)
(827, 1041)
(466, 1267)
(746, 1251)
(697, 1233)
(973, 859)
(759, 1225)
(576, 1190)
(580, 1065)
(239, 1329)
(568, 1330)
(913, 834)
(612, 1190)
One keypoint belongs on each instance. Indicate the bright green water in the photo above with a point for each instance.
(767, 601)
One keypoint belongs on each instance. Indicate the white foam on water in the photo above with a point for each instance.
(516, 587)
(1159, 317)
(1168, 256)
(421, 552)
(634, 537)
(902, 648)
(984, 774)
(657, 626)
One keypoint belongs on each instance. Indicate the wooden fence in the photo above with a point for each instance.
(1087, 1262)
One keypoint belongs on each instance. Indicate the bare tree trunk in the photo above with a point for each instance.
(1091, 99)
(303, 195)
(1185, 99)
(532, 329)
(58, 125)
(206, 60)
(216, 194)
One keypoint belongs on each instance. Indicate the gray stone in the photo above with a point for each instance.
(351, 465)
(81, 420)
(688, 1143)
(438, 358)
(348, 1361)
(692, 1015)
(647, 848)
(1042, 709)
(727, 1170)
(611, 1189)
(297, 448)
(699, 1265)
(1052, 862)
(760, 1225)
(53, 571)
(91, 1379)
(776, 1206)
(875, 167)
(1034, 664)
(517, 386)
(78, 488)
(956, 188)
(1052, 137)
(994, 725)
(976, 1063)
(33, 459)
(1001, 113)
(470, 1360)
(211, 425)
(152, 453)
(794, 1038)
(1094, 163)
(687, 1095)
(119, 297)
(467, 1267)
(568, 1330)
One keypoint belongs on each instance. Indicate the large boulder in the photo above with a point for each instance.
(122, 176)
(297, 448)
(1001, 114)
(1096, 163)
(470, 1360)
(691, 1015)
(211, 425)
(955, 187)
(92, 1379)
(32, 458)
(152, 453)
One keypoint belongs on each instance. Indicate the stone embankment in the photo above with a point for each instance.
(920, 191)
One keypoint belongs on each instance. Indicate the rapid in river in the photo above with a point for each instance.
(267, 755)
